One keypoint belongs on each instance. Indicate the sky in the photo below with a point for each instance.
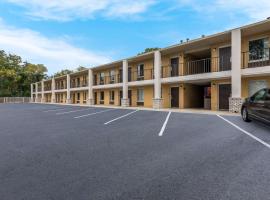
(65, 34)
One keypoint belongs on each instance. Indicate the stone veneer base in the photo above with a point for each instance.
(125, 102)
(235, 105)
(157, 103)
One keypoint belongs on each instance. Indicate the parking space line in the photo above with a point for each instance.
(106, 123)
(164, 124)
(93, 113)
(72, 111)
(55, 110)
(247, 133)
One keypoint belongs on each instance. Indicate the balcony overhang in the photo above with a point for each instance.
(141, 83)
(109, 86)
(256, 71)
(198, 77)
(78, 89)
(60, 91)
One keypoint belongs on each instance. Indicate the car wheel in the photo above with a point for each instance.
(245, 115)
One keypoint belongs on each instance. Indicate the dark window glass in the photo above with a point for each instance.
(140, 70)
(101, 96)
(258, 49)
(259, 96)
(267, 96)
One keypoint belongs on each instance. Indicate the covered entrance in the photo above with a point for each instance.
(198, 95)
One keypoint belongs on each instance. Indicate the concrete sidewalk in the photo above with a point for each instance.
(192, 111)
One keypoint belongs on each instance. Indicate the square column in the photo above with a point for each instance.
(36, 100)
(32, 96)
(157, 101)
(90, 100)
(236, 100)
(125, 100)
(53, 91)
(42, 92)
(68, 89)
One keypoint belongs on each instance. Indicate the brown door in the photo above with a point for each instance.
(120, 97)
(224, 95)
(130, 97)
(225, 59)
(95, 94)
(175, 97)
(174, 67)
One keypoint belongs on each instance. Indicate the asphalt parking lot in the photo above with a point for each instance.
(55, 152)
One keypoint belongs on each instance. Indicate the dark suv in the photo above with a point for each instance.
(257, 107)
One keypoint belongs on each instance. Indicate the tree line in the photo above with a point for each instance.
(17, 75)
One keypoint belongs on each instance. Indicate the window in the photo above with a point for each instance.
(140, 96)
(258, 50)
(112, 76)
(140, 71)
(259, 96)
(78, 82)
(84, 81)
(112, 97)
(84, 97)
(101, 101)
(101, 78)
(267, 96)
(73, 83)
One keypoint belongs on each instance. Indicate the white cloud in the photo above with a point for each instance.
(255, 10)
(54, 53)
(64, 10)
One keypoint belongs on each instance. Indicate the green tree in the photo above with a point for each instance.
(16, 76)
(147, 50)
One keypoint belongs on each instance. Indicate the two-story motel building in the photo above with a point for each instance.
(213, 72)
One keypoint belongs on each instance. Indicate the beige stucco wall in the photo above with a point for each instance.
(245, 84)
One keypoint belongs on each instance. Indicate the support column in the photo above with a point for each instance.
(157, 101)
(125, 99)
(90, 100)
(32, 96)
(68, 89)
(42, 92)
(236, 100)
(53, 91)
(36, 100)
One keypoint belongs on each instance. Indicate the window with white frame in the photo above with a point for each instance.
(140, 70)
(101, 100)
(140, 95)
(84, 97)
(259, 49)
(112, 76)
(111, 96)
(101, 78)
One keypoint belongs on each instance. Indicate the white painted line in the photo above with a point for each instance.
(106, 123)
(72, 111)
(247, 133)
(93, 113)
(55, 110)
(164, 125)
